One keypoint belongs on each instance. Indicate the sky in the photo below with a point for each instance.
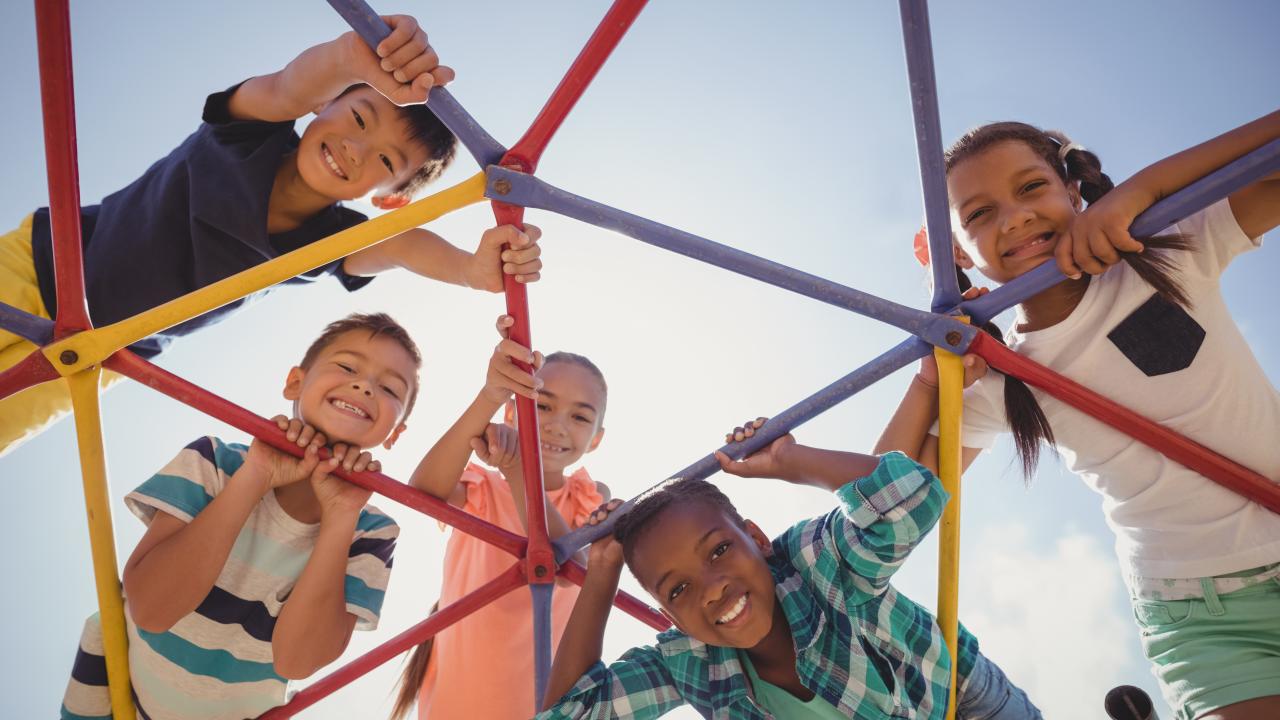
(783, 129)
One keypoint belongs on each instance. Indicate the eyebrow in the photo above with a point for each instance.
(362, 356)
(588, 406)
(1017, 173)
(701, 540)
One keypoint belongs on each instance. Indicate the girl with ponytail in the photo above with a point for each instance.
(1153, 333)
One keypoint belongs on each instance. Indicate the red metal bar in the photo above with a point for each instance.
(464, 606)
(53, 33)
(1175, 446)
(31, 370)
(127, 363)
(629, 604)
(524, 154)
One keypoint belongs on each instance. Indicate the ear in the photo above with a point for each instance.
(962, 258)
(293, 383)
(395, 435)
(390, 202)
(595, 441)
(762, 542)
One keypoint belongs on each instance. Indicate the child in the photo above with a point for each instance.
(244, 189)
(482, 667)
(256, 566)
(807, 626)
(1200, 561)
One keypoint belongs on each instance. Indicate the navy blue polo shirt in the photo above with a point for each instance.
(195, 217)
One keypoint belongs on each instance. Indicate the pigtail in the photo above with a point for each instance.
(1027, 421)
(1156, 268)
(415, 672)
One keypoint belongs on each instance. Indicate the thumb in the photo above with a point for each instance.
(480, 447)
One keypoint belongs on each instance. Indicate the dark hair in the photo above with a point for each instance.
(415, 671)
(637, 521)
(426, 130)
(1027, 421)
(582, 362)
(376, 324)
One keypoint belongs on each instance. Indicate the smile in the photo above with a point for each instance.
(734, 612)
(548, 447)
(1029, 247)
(333, 163)
(350, 409)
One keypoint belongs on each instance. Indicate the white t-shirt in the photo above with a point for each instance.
(1170, 522)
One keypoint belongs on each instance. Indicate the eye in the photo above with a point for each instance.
(391, 392)
(582, 418)
(675, 591)
(720, 549)
(543, 407)
(1034, 184)
(359, 120)
(387, 162)
(345, 368)
(975, 215)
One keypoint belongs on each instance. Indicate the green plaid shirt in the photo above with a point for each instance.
(860, 645)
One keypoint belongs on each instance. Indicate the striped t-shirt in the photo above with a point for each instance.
(217, 662)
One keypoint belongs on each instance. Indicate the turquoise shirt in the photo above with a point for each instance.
(785, 705)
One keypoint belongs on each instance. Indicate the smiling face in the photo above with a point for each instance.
(570, 414)
(708, 573)
(1008, 209)
(356, 389)
(358, 144)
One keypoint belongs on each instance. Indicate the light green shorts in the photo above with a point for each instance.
(1213, 651)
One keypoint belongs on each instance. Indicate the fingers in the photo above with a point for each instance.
(601, 513)
(729, 465)
(351, 459)
(504, 325)
(281, 422)
(481, 448)
(297, 431)
(746, 430)
(524, 263)
(510, 376)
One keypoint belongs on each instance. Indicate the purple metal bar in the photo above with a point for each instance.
(25, 325)
(1189, 200)
(474, 138)
(828, 397)
(517, 188)
(541, 639)
(933, 176)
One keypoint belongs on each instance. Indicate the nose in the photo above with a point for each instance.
(716, 588)
(354, 150)
(1015, 217)
(361, 386)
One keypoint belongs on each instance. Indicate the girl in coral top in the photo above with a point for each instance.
(482, 666)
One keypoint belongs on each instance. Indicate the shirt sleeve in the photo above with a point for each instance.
(369, 566)
(217, 115)
(881, 519)
(1216, 240)
(983, 419)
(638, 685)
(188, 483)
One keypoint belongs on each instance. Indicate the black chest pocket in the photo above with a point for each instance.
(1159, 337)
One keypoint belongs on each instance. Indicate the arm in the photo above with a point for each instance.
(908, 429)
(404, 69)
(427, 254)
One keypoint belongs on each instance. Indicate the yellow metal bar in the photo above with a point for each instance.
(94, 346)
(950, 405)
(102, 539)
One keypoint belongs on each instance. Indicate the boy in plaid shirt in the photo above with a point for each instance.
(807, 626)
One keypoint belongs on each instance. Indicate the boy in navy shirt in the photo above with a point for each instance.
(245, 188)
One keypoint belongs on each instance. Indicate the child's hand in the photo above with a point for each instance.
(522, 259)
(974, 369)
(763, 463)
(335, 494)
(499, 448)
(504, 376)
(1098, 235)
(606, 552)
(280, 468)
(404, 67)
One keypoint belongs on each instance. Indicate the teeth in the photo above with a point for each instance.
(734, 611)
(333, 164)
(350, 408)
(553, 448)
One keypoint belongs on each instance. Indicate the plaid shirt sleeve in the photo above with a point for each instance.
(881, 519)
(639, 685)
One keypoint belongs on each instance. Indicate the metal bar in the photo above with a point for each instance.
(126, 363)
(1189, 200)
(102, 539)
(950, 410)
(473, 137)
(1174, 445)
(542, 594)
(95, 346)
(828, 397)
(933, 176)
(30, 327)
(631, 605)
(31, 370)
(57, 93)
(528, 191)
(509, 580)
(528, 150)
